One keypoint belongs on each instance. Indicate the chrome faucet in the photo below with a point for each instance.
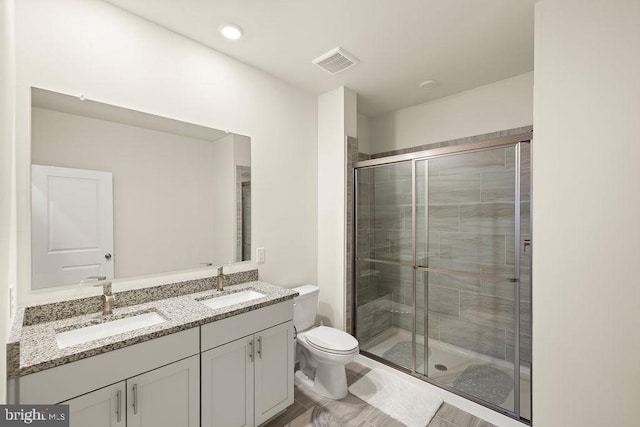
(108, 299)
(220, 280)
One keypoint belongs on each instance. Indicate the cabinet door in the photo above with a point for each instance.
(166, 397)
(101, 408)
(227, 385)
(273, 371)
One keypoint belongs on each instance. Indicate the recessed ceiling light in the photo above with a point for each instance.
(231, 31)
(428, 84)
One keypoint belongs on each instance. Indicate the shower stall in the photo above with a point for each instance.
(442, 268)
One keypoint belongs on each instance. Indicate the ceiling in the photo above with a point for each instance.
(460, 43)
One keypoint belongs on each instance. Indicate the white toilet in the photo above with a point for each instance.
(322, 352)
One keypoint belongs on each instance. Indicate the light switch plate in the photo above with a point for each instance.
(260, 255)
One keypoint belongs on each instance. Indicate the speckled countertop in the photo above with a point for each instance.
(34, 347)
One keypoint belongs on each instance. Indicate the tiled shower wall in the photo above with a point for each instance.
(471, 210)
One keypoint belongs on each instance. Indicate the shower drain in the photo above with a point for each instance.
(440, 367)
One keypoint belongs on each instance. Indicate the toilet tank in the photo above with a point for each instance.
(305, 307)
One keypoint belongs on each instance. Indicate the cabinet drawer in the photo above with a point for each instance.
(232, 328)
(73, 379)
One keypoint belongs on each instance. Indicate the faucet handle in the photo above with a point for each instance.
(220, 271)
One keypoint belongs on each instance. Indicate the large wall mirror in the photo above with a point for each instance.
(120, 193)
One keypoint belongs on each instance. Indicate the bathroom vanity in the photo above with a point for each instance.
(247, 372)
(206, 358)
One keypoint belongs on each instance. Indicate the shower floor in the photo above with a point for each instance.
(456, 359)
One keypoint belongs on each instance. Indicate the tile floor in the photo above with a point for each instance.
(310, 409)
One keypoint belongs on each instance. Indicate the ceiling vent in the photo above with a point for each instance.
(336, 60)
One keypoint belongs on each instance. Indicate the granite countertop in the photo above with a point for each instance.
(37, 348)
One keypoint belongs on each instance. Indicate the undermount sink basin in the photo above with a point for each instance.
(231, 299)
(92, 332)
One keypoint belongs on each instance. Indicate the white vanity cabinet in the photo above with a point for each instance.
(164, 397)
(161, 376)
(232, 372)
(247, 374)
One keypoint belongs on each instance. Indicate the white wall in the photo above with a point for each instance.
(92, 48)
(337, 119)
(150, 168)
(242, 150)
(364, 134)
(6, 170)
(505, 104)
(586, 149)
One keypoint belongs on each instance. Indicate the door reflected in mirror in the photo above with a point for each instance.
(121, 193)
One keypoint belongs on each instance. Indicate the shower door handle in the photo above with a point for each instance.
(527, 243)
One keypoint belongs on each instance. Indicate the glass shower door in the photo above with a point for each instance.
(442, 269)
(468, 271)
(384, 271)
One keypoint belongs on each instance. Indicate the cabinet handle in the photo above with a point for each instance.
(260, 347)
(135, 398)
(251, 350)
(119, 405)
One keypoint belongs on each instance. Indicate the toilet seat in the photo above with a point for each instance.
(331, 340)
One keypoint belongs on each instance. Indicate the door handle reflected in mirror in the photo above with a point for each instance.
(107, 256)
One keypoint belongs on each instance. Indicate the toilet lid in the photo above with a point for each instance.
(331, 339)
